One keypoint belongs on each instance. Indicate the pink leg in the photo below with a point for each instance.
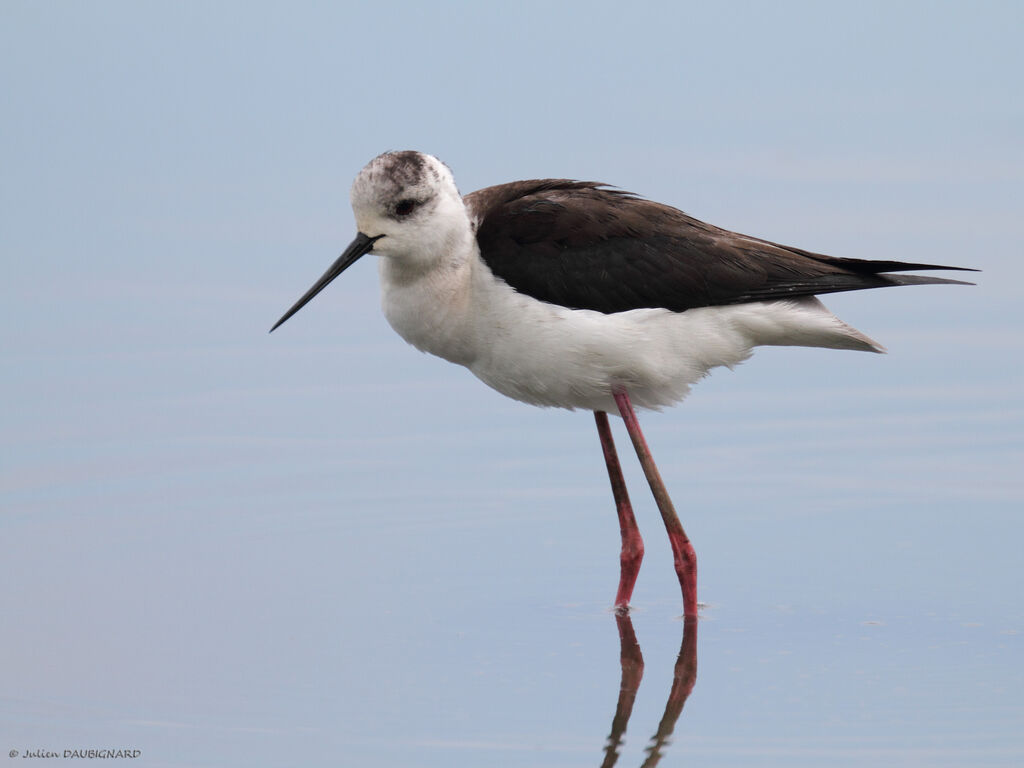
(682, 550)
(632, 544)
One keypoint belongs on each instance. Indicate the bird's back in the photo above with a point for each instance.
(583, 245)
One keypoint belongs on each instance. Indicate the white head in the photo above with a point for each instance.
(408, 209)
(411, 199)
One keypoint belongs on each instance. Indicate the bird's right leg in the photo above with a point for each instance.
(682, 549)
(632, 543)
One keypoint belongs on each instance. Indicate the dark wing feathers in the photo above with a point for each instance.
(585, 246)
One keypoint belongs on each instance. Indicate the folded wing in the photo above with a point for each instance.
(585, 246)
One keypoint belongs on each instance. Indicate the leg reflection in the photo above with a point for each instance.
(683, 679)
(632, 673)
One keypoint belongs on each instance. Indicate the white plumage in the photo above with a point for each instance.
(440, 296)
(567, 294)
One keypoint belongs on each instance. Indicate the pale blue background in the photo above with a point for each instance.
(321, 547)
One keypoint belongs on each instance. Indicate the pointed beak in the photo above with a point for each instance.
(362, 245)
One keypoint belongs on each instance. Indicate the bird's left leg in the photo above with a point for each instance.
(682, 550)
(632, 543)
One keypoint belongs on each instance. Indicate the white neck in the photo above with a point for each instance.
(427, 298)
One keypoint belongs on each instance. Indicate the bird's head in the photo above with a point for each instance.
(407, 209)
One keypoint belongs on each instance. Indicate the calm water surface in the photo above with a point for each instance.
(439, 595)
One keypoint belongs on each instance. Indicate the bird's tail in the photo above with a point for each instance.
(799, 322)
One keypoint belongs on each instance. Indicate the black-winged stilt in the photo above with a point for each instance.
(575, 295)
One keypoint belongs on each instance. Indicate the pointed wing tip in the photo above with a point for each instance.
(951, 269)
(896, 279)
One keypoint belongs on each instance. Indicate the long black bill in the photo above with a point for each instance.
(362, 245)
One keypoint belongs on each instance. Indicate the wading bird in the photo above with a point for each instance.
(573, 294)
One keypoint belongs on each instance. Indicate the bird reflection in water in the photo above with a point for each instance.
(684, 676)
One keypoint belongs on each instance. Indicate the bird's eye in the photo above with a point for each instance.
(405, 207)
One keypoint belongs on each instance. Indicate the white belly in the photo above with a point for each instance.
(548, 355)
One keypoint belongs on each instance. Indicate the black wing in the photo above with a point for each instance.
(585, 246)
